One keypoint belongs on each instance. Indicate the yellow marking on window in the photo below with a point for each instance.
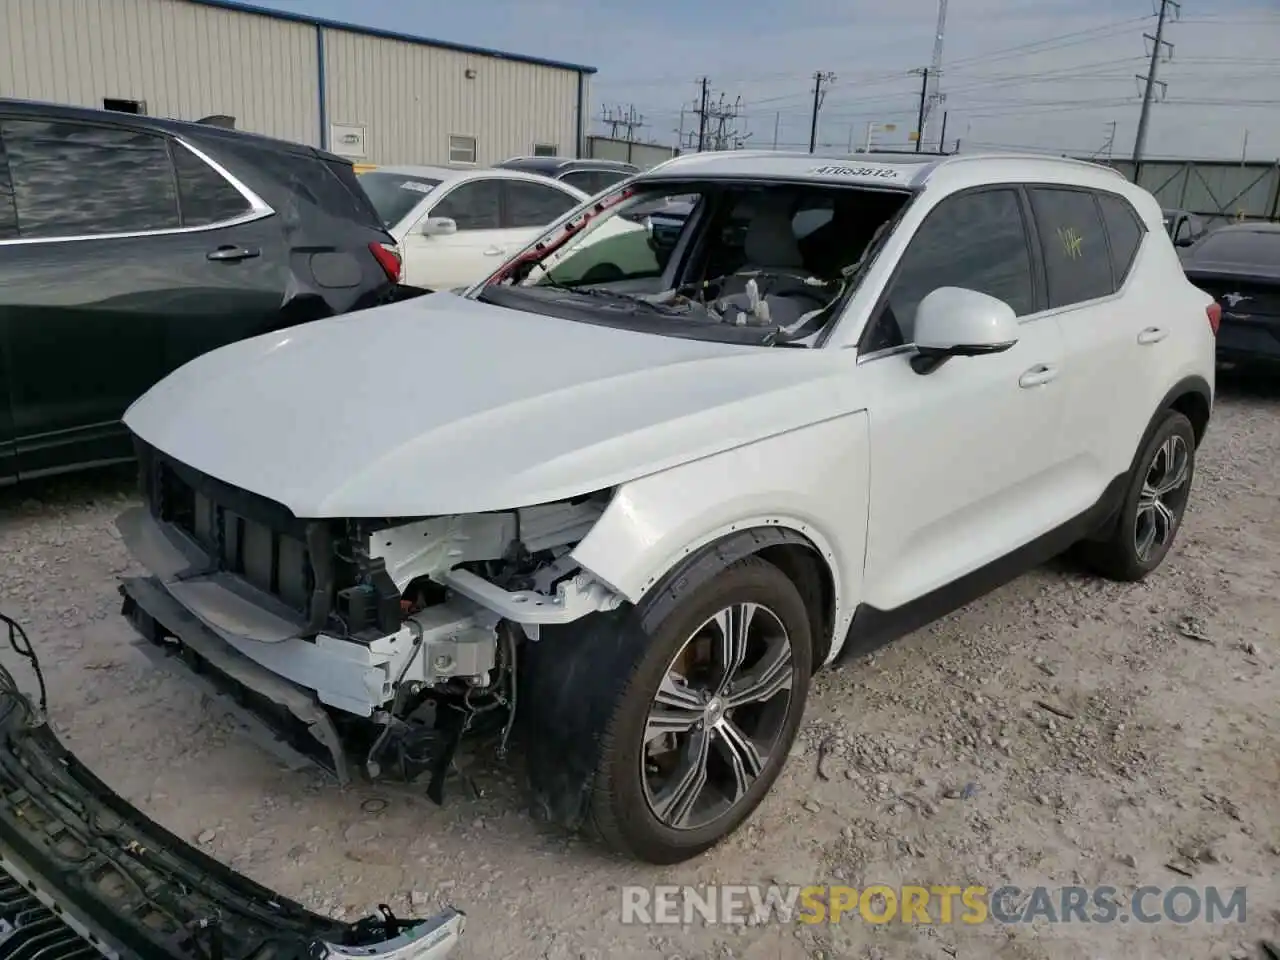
(1072, 242)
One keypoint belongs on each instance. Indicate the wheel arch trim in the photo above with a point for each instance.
(1190, 386)
(766, 539)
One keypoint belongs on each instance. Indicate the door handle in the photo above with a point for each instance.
(233, 253)
(495, 251)
(1038, 376)
(1152, 335)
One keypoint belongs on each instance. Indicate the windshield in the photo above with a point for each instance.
(723, 260)
(393, 195)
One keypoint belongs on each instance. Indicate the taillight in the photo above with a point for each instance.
(1214, 312)
(388, 259)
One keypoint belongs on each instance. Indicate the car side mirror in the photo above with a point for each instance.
(439, 227)
(955, 322)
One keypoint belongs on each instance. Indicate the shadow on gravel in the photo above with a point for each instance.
(1252, 385)
(31, 497)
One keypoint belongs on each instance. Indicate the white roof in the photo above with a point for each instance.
(452, 174)
(900, 170)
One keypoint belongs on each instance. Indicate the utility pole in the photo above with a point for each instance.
(942, 137)
(936, 97)
(924, 99)
(702, 116)
(1157, 42)
(777, 121)
(819, 78)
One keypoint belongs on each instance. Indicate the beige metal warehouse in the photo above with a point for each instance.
(372, 95)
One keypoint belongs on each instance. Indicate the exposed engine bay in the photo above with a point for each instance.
(377, 644)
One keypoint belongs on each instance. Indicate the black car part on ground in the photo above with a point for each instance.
(82, 873)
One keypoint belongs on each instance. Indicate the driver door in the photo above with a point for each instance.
(963, 458)
(445, 261)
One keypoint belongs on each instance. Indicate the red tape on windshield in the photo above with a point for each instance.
(568, 232)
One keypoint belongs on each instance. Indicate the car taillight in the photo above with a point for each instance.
(1214, 312)
(388, 259)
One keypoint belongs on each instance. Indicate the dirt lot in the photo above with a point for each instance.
(929, 763)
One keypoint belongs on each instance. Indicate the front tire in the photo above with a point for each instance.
(1154, 504)
(707, 718)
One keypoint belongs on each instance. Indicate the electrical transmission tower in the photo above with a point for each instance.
(1108, 146)
(934, 97)
(627, 120)
(1158, 43)
(717, 129)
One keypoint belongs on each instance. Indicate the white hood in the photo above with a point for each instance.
(442, 405)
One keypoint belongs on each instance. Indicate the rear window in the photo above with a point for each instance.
(1242, 247)
(1125, 230)
(393, 195)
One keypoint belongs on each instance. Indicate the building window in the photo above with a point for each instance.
(462, 149)
(546, 150)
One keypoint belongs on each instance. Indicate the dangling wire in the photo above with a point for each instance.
(21, 645)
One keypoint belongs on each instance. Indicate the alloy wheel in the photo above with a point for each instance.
(717, 717)
(1162, 498)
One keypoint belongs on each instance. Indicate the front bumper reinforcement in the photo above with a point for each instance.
(284, 717)
(83, 873)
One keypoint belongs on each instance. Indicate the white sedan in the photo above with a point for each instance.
(454, 227)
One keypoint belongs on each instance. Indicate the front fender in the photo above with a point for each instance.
(813, 480)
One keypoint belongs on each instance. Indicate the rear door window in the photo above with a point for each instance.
(1072, 238)
(534, 204)
(474, 205)
(77, 179)
(205, 197)
(1125, 231)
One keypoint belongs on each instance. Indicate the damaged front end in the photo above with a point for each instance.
(82, 873)
(370, 646)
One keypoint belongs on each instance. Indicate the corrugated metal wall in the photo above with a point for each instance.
(187, 60)
(411, 98)
(1212, 188)
(182, 59)
(643, 155)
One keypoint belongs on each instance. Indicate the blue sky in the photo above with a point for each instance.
(1026, 73)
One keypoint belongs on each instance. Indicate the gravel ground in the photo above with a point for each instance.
(1156, 760)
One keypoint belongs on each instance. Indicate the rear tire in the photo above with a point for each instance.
(691, 749)
(1153, 507)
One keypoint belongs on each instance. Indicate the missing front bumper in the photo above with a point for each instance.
(285, 717)
(81, 870)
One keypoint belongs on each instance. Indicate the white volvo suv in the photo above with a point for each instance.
(622, 498)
